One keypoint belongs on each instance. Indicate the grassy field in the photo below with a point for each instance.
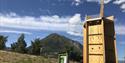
(12, 57)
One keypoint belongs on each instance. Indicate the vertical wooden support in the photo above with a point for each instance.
(103, 35)
(102, 8)
(85, 44)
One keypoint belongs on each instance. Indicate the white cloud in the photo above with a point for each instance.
(75, 19)
(123, 7)
(12, 14)
(28, 22)
(53, 23)
(92, 0)
(76, 2)
(74, 25)
(98, 1)
(120, 29)
(119, 2)
(55, 19)
(107, 1)
(70, 24)
(13, 31)
(74, 33)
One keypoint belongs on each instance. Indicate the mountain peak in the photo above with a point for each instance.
(59, 43)
(54, 34)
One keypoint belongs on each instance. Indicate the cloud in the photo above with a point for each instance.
(123, 7)
(50, 23)
(74, 25)
(54, 19)
(98, 1)
(76, 2)
(74, 33)
(120, 29)
(29, 22)
(92, 0)
(75, 19)
(121, 3)
(107, 1)
(118, 2)
(14, 31)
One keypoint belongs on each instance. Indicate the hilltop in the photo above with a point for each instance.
(55, 43)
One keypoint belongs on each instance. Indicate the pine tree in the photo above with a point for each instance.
(35, 47)
(2, 42)
(14, 47)
(20, 45)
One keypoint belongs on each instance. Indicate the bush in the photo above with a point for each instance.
(2, 42)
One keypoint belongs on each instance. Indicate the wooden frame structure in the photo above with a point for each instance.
(99, 41)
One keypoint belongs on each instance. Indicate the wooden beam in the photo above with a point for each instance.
(102, 8)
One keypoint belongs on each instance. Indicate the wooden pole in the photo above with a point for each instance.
(102, 8)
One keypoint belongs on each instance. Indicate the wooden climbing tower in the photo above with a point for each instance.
(99, 39)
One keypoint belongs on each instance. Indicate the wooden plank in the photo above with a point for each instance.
(96, 49)
(96, 39)
(95, 59)
(95, 29)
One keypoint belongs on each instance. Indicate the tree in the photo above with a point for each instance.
(14, 46)
(35, 47)
(2, 42)
(20, 45)
(74, 54)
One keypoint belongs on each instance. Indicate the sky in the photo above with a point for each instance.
(39, 18)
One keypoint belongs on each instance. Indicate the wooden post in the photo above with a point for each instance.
(102, 8)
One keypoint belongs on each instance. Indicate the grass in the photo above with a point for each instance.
(12, 57)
